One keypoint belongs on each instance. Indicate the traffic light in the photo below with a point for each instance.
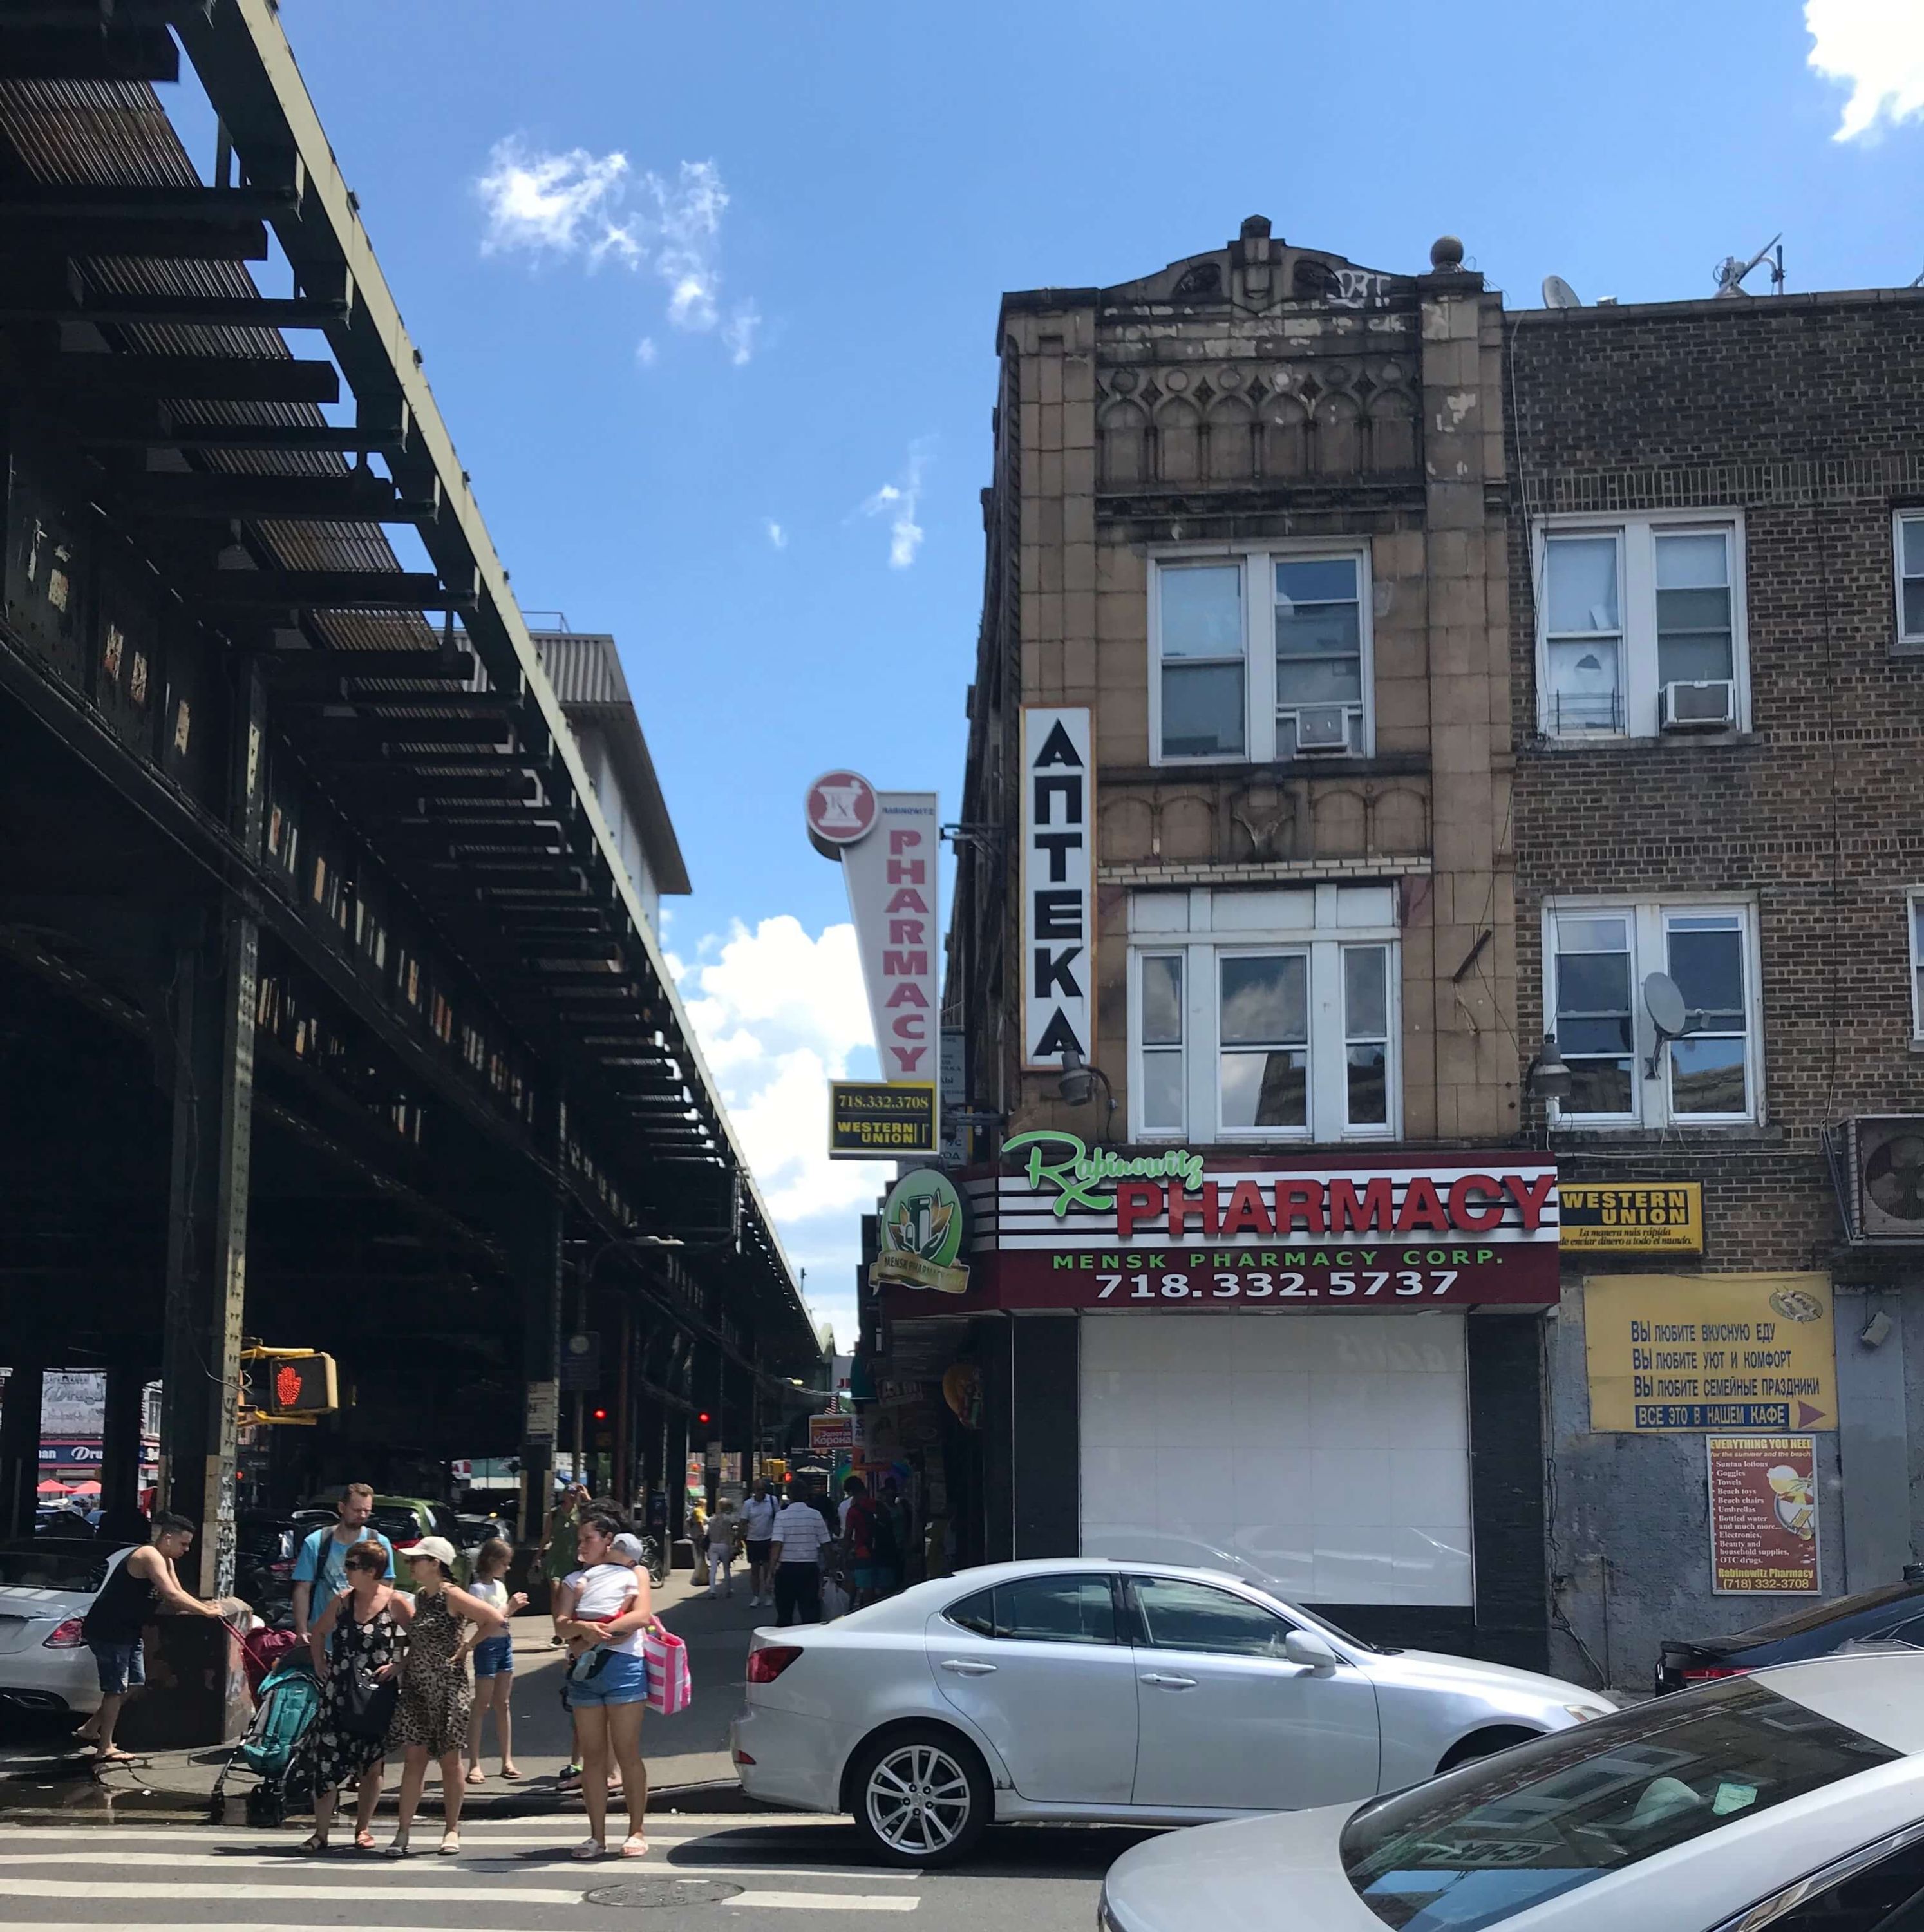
(298, 1385)
(601, 1415)
(704, 1418)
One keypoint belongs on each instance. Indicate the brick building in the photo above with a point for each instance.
(1729, 495)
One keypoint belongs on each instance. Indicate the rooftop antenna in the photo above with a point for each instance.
(1557, 293)
(1729, 272)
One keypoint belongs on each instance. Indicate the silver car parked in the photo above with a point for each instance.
(1086, 1690)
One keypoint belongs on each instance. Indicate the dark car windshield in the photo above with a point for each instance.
(1495, 1838)
(397, 1525)
(1815, 1616)
(55, 1565)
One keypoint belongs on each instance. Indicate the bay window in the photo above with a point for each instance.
(1260, 654)
(1263, 1016)
(1597, 959)
(1639, 626)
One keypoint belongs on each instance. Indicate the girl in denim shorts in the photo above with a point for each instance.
(494, 1660)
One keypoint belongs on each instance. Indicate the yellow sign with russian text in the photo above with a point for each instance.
(1649, 1217)
(1710, 1351)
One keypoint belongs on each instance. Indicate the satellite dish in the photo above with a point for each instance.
(1557, 293)
(1663, 1000)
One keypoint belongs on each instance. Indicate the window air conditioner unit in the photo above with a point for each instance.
(1886, 1176)
(1710, 704)
(1323, 727)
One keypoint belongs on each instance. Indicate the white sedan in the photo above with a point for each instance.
(1084, 1690)
(1792, 1798)
(46, 1585)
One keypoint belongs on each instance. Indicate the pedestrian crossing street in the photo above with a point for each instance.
(511, 1875)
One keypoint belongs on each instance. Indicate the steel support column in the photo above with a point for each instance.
(120, 1454)
(534, 1249)
(211, 1017)
(20, 1448)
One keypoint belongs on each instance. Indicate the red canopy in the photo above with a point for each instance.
(50, 1488)
(88, 1488)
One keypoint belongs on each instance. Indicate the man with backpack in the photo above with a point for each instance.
(320, 1571)
(870, 1540)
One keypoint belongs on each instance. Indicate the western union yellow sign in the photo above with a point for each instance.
(1665, 1217)
(1704, 1351)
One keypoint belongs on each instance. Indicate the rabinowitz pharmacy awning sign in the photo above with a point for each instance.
(1067, 1226)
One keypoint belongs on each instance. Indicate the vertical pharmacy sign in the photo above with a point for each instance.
(888, 843)
(1058, 884)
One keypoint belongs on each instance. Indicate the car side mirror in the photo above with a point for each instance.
(1307, 1648)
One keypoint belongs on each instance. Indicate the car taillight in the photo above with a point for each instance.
(765, 1665)
(742, 1757)
(1704, 1672)
(66, 1636)
(281, 1569)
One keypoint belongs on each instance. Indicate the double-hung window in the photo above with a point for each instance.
(1264, 1015)
(1639, 626)
(1908, 532)
(1599, 960)
(1914, 916)
(1261, 654)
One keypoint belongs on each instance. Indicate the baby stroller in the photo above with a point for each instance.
(287, 1703)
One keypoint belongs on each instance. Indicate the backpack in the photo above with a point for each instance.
(870, 1538)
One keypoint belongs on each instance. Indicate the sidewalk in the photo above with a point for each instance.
(683, 1752)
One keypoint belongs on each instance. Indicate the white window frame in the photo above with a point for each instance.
(1650, 922)
(1898, 519)
(1259, 641)
(1913, 910)
(1202, 946)
(1636, 563)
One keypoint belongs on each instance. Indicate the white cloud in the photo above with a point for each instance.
(779, 1015)
(897, 501)
(740, 332)
(577, 205)
(777, 536)
(645, 352)
(1876, 48)
(554, 204)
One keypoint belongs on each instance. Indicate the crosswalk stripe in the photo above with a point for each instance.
(823, 1901)
(424, 1864)
(170, 1890)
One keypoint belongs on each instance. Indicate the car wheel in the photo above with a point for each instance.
(920, 1796)
(1483, 1744)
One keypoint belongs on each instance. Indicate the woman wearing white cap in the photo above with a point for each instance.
(431, 1718)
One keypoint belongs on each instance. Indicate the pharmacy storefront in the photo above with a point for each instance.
(1329, 1376)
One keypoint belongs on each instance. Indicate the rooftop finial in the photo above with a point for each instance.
(1446, 254)
(1255, 228)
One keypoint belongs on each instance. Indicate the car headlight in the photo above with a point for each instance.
(1582, 1713)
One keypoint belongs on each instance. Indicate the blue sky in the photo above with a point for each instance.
(699, 287)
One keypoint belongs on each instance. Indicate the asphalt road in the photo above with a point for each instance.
(765, 1873)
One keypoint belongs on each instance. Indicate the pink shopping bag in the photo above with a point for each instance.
(669, 1687)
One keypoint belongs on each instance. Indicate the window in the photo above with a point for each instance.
(1494, 1840)
(1598, 959)
(1913, 908)
(1639, 626)
(1041, 1609)
(1261, 655)
(1319, 651)
(1201, 614)
(1910, 533)
(1172, 1615)
(1264, 1015)
(1878, 1889)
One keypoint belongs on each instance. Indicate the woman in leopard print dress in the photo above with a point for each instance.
(431, 1718)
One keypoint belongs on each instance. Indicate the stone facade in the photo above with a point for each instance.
(1260, 392)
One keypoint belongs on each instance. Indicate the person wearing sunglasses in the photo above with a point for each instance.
(357, 1644)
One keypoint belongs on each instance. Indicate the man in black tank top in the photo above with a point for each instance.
(138, 1589)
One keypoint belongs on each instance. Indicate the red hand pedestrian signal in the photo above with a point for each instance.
(297, 1384)
(287, 1385)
